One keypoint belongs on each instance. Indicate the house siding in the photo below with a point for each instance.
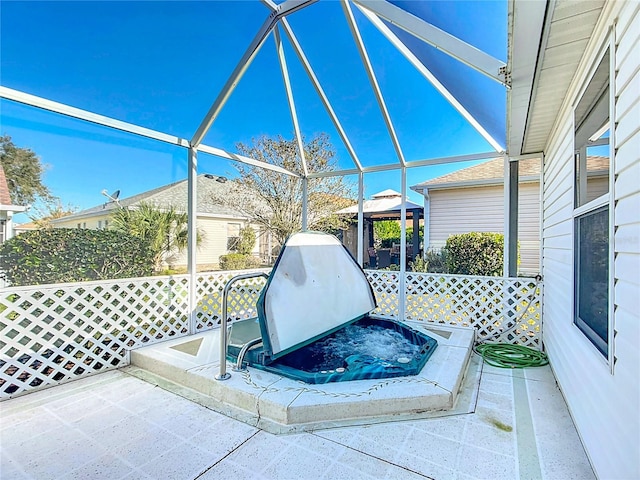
(211, 247)
(604, 402)
(213, 243)
(93, 222)
(481, 209)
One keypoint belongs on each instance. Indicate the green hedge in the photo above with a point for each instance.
(238, 261)
(475, 253)
(63, 255)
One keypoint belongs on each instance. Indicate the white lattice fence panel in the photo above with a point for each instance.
(386, 288)
(240, 304)
(54, 333)
(500, 309)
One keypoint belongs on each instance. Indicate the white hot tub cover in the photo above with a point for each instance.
(316, 287)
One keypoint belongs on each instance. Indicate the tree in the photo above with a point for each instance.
(24, 172)
(274, 200)
(247, 241)
(386, 232)
(42, 215)
(163, 230)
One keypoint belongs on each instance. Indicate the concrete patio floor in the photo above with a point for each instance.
(114, 425)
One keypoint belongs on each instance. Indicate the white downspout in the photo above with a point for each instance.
(427, 222)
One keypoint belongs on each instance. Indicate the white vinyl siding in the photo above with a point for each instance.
(481, 209)
(529, 227)
(212, 245)
(603, 404)
(97, 222)
(472, 209)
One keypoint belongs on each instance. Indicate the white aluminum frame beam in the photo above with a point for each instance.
(281, 10)
(218, 152)
(320, 91)
(192, 237)
(348, 13)
(402, 304)
(426, 73)
(360, 245)
(87, 116)
(73, 112)
(291, 102)
(412, 164)
(447, 43)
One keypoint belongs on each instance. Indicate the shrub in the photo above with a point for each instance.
(386, 232)
(247, 241)
(73, 255)
(238, 261)
(475, 253)
(410, 234)
(418, 265)
(434, 262)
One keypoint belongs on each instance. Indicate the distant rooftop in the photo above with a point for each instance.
(5, 198)
(387, 201)
(492, 172)
(173, 194)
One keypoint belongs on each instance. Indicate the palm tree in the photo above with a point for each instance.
(163, 229)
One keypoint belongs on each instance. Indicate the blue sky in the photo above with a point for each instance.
(161, 65)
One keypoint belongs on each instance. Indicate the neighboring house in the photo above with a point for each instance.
(7, 209)
(584, 92)
(219, 226)
(472, 200)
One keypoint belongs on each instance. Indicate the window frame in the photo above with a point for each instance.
(237, 237)
(607, 199)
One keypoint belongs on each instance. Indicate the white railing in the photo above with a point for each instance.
(51, 334)
(54, 333)
(242, 298)
(500, 309)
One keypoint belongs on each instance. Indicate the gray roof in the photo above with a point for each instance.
(174, 194)
(388, 201)
(492, 173)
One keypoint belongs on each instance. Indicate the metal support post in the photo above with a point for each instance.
(360, 219)
(403, 246)
(305, 202)
(192, 236)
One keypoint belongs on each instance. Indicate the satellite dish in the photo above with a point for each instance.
(113, 197)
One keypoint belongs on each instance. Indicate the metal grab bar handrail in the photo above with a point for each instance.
(243, 351)
(223, 374)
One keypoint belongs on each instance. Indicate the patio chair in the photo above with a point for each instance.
(384, 258)
(373, 258)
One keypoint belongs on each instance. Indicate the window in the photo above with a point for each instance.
(233, 236)
(591, 209)
(592, 276)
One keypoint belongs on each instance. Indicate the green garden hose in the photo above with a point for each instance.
(505, 355)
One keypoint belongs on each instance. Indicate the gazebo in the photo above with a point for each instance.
(385, 205)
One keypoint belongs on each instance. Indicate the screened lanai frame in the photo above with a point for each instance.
(387, 18)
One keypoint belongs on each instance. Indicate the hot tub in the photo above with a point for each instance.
(314, 324)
